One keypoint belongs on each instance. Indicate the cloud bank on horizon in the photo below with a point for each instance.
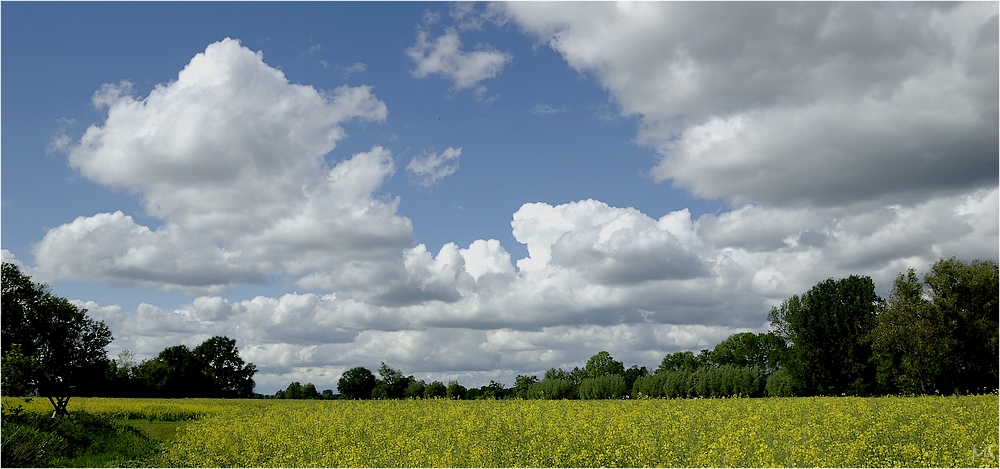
(845, 139)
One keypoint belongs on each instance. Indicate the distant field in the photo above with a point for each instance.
(827, 432)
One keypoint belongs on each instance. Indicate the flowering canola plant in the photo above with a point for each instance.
(928, 431)
(139, 408)
(826, 432)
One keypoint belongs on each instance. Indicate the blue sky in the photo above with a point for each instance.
(476, 191)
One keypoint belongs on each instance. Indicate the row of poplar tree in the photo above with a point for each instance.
(932, 335)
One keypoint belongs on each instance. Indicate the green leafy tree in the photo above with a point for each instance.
(553, 388)
(650, 386)
(494, 390)
(684, 361)
(175, 372)
(603, 364)
(434, 390)
(380, 391)
(123, 376)
(603, 387)
(521, 385)
(294, 391)
(939, 335)
(826, 328)
(18, 371)
(574, 376)
(228, 375)
(356, 383)
(59, 349)
(392, 384)
(966, 294)
(678, 383)
(746, 349)
(415, 388)
(780, 384)
(633, 374)
(455, 390)
(912, 343)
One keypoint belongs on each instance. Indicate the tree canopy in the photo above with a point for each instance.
(356, 383)
(939, 334)
(825, 327)
(227, 375)
(49, 346)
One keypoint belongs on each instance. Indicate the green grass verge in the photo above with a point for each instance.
(164, 432)
(81, 440)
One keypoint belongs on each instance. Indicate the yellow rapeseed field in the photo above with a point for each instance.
(152, 409)
(827, 432)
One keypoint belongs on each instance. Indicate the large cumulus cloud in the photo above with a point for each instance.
(788, 104)
(233, 158)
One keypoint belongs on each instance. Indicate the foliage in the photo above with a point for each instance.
(650, 386)
(26, 446)
(603, 387)
(780, 384)
(212, 369)
(436, 389)
(929, 431)
(455, 390)
(415, 389)
(684, 361)
(81, 439)
(633, 374)
(707, 381)
(967, 295)
(574, 376)
(494, 390)
(602, 364)
(48, 345)
(553, 388)
(826, 328)
(227, 374)
(153, 409)
(18, 372)
(174, 372)
(296, 390)
(356, 383)
(746, 349)
(939, 335)
(391, 385)
(522, 383)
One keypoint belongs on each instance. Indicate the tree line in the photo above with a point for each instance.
(51, 348)
(933, 335)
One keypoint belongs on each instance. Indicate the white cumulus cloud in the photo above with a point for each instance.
(233, 159)
(786, 103)
(431, 167)
(444, 57)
